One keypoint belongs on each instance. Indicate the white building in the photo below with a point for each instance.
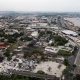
(69, 32)
(42, 24)
(11, 31)
(51, 49)
(35, 34)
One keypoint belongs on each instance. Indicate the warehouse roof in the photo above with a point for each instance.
(69, 32)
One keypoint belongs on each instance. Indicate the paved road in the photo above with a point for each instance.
(31, 74)
(77, 60)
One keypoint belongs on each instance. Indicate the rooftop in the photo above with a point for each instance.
(69, 32)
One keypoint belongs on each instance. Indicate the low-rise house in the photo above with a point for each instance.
(51, 50)
(67, 49)
(18, 52)
(42, 24)
(11, 31)
(29, 29)
(3, 45)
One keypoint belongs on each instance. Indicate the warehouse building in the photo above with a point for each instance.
(69, 32)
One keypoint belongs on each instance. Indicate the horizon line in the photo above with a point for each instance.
(41, 11)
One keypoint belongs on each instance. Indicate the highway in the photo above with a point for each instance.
(77, 60)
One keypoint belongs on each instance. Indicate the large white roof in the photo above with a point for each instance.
(52, 49)
(34, 34)
(69, 32)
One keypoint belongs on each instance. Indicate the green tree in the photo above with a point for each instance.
(77, 77)
(66, 63)
(60, 40)
(7, 54)
(40, 72)
(64, 53)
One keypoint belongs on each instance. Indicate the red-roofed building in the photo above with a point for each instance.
(3, 45)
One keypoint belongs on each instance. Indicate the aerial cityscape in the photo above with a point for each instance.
(39, 40)
(41, 45)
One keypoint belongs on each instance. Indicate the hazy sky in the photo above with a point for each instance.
(40, 5)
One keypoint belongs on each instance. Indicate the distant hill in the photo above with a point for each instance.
(6, 13)
(14, 13)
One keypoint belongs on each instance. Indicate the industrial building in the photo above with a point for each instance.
(69, 32)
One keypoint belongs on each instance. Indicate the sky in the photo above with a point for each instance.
(40, 5)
